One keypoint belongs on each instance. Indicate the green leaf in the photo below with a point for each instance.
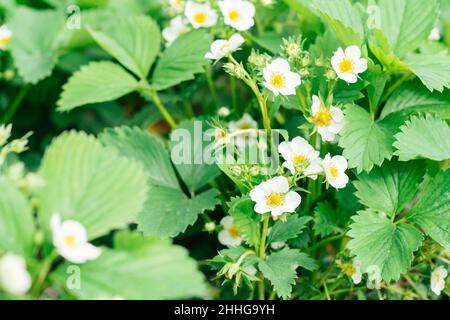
(189, 144)
(245, 218)
(413, 97)
(407, 23)
(156, 270)
(182, 60)
(283, 231)
(90, 183)
(377, 241)
(432, 69)
(168, 211)
(16, 221)
(389, 188)
(423, 137)
(365, 142)
(343, 18)
(325, 220)
(280, 268)
(35, 41)
(133, 41)
(96, 82)
(432, 212)
(270, 41)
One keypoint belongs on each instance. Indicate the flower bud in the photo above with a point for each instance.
(210, 226)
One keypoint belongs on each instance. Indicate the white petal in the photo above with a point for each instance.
(292, 201)
(353, 53)
(75, 229)
(316, 105)
(360, 66)
(337, 114)
(335, 127)
(281, 65)
(340, 162)
(227, 222)
(236, 40)
(279, 184)
(258, 194)
(340, 182)
(288, 165)
(348, 77)
(261, 208)
(326, 134)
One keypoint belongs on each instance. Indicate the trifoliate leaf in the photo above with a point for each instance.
(283, 231)
(389, 188)
(414, 97)
(96, 82)
(365, 142)
(157, 270)
(325, 220)
(182, 60)
(423, 137)
(432, 69)
(407, 23)
(432, 213)
(343, 18)
(280, 268)
(35, 41)
(378, 242)
(133, 41)
(168, 210)
(245, 218)
(90, 183)
(189, 145)
(16, 221)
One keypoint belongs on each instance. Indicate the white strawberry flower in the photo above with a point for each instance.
(5, 36)
(220, 48)
(329, 121)
(438, 280)
(348, 64)
(176, 28)
(274, 196)
(14, 277)
(354, 271)
(230, 235)
(177, 5)
(334, 168)
(71, 241)
(200, 15)
(300, 156)
(280, 79)
(238, 13)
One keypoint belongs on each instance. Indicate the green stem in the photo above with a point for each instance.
(262, 254)
(301, 99)
(16, 104)
(212, 89)
(233, 93)
(153, 95)
(45, 268)
(325, 241)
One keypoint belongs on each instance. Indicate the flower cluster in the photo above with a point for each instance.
(15, 146)
(237, 14)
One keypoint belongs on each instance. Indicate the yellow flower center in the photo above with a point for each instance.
(334, 172)
(346, 65)
(275, 199)
(298, 159)
(4, 41)
(349, 269)
(69, 240)
(277, 80)
(233, 15)
(200, 17)
(323, 117)
(233, 231)
(438, 277)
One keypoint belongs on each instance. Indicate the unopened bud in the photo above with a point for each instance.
(210, 226)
